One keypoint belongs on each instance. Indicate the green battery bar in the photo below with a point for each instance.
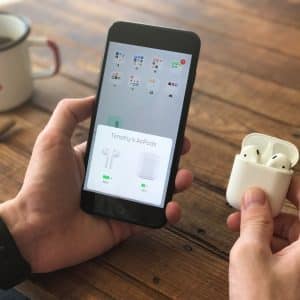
(106, 177)
(143, 185)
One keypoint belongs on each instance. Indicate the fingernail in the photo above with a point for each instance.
(254, 197)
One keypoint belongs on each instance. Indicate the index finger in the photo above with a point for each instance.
(294, 191)
(68, 113)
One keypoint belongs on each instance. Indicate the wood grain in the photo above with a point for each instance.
(216, 76)
(160, 271)
(248, 28)
(277, 11)
(249, 58)
(247, 80)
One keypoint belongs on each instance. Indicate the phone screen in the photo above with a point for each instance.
(137, 123)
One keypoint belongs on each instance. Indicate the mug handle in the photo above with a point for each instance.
(42, 42)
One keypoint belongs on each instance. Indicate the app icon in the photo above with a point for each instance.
(116, 78)
(172, 89)
(134, 82)
(114, 121)
(119, 58)
(152, 86)
(156, 64)
(138, 61)
(177, 65)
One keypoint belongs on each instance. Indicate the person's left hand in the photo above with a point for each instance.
(45, 218)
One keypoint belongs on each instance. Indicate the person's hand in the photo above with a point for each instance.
(265, 260)
(45, 218)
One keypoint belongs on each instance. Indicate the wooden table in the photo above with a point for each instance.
(248, 80)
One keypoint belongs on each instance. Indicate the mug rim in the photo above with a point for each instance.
(22, 37)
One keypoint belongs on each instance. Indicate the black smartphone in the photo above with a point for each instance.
(137, 128)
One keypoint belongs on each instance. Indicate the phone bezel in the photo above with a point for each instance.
(153, 37)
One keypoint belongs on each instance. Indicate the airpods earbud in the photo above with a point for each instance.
(250, 153)
(279, 161)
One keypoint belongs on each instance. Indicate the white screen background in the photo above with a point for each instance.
(138, 110)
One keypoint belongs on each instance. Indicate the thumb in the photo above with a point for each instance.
(68, 113)
(256, 218)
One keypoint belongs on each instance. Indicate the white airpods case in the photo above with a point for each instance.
(274, 181)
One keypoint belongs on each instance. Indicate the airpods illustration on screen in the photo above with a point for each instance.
(115, 154)
(106, 152)
(259, 165)
(110, 156)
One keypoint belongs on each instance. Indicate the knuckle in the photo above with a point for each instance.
(244, 248)
(63, 104)
(64, 107)
(237, 250)
(258, 248)
(49, 137)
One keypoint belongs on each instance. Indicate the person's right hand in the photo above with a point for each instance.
(265, 260)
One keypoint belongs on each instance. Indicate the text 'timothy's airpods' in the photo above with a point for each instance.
(265, 162)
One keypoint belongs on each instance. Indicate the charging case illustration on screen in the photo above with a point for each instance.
(110, 157)
(148, 166)
(265, 162)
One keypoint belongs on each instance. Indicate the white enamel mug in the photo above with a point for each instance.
(16, 76)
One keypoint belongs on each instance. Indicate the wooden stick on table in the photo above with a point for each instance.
(5, 129)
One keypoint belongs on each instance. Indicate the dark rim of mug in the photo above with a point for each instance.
(22, 37)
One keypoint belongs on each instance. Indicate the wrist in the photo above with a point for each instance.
(13, 214)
